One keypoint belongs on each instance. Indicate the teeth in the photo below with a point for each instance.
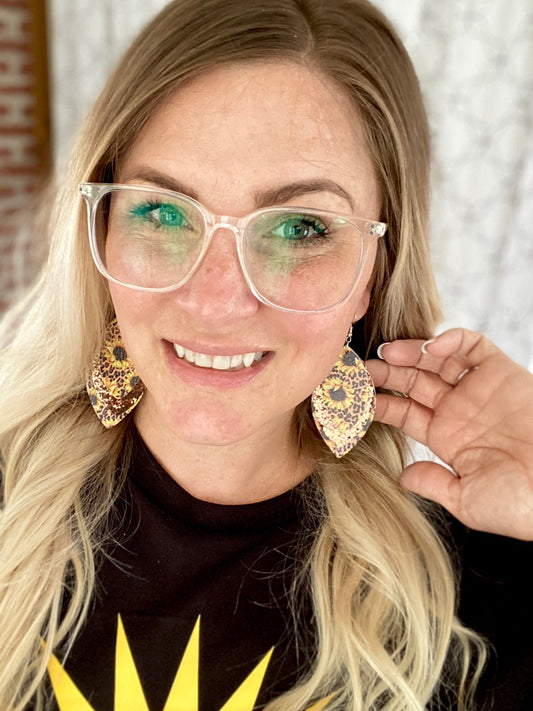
(248, 359)
(221, 362)
(235, 361)
(218, 362)
(204, 361)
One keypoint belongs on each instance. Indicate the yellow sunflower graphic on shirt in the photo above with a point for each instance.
(184, 693)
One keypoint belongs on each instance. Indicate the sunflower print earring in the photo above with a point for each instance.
(113, 386)
(343, 405)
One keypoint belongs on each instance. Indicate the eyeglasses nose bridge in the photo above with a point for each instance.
(224, 222)
(230, 223)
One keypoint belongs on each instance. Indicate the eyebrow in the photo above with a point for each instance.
(264, 198)
(163, 181)
(301, 187)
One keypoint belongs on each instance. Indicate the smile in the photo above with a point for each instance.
(218, 362)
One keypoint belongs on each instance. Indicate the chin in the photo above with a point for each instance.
(214, 429)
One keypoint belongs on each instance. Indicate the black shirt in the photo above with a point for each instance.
(193, 598)
(181, 562)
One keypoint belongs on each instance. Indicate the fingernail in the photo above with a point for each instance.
(462, 375)
(379, 351)
(424, 345)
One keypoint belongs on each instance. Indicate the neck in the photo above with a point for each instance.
(254, 469)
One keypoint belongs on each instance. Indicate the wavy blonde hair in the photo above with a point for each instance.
(382, 585)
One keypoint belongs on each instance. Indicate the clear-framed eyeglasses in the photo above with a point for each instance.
(292, 258)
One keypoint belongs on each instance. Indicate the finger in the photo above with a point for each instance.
(426, 388)
(451, 355)
(403, 412)
(434, 482)
(407, 352)
(439, 484)
(460, 352)
(413, 353)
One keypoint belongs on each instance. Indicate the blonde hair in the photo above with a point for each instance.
(382, 585)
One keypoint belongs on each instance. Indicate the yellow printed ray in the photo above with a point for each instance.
(246, 695)
(184, 692)
(129, 694)
(69, 697)
(183, 696)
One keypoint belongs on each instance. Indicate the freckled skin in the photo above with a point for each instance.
(229, 134)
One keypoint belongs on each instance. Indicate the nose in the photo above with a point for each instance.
(217, 293)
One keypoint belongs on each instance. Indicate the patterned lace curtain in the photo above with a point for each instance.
(475, 62)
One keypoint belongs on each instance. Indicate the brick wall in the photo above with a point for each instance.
(23, 139)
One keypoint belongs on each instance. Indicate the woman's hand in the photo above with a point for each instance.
(473, 407)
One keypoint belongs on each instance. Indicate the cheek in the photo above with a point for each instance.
(321, 337)
(320, 340)
(135, 314)
(131, 306)
(331, 328)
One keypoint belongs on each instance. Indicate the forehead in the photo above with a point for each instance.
(243, 128)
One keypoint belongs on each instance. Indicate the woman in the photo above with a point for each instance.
(177, 526)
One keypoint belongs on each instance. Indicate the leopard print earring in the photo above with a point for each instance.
(113, 386)
(343, 405)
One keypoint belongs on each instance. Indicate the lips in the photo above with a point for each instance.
(218, 362)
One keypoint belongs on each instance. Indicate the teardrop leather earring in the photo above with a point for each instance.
(113, 386)
(343, 405)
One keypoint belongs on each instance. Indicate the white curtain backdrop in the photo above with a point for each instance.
(475, 63)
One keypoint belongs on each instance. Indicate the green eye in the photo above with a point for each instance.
(171, 215)
(300, 227)
(161, 214)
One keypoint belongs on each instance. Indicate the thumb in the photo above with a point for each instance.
(434, 482)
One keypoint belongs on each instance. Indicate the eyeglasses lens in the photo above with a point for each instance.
(296, 259)
(147, 239)
(303, 260)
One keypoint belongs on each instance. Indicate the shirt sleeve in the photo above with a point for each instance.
(495, 599)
